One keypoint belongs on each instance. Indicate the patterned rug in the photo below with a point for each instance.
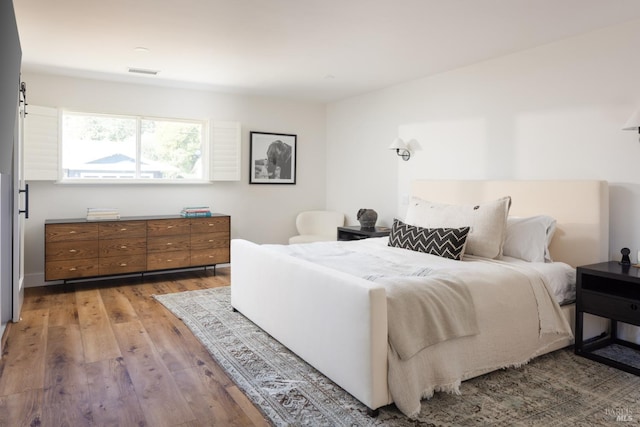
(558, 389)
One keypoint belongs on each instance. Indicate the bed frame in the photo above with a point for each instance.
(338, 322)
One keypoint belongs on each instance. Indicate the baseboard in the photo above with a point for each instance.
(35, 280)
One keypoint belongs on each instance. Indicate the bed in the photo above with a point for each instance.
(338, 322)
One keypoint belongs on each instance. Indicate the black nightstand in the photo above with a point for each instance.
(355, 232)
(609, 290)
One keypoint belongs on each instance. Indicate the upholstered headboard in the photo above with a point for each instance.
(581, 209)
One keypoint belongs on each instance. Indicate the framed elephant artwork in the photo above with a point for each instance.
(272, 158)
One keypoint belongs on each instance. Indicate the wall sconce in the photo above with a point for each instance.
(634, 122)
(401, 147)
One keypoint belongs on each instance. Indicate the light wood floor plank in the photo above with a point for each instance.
(256, 417)
(105, 353)
(151, 378)
(117, 305)
(62, 307)
(113, 396)
(21, 409)
(24, 354)
(67, 405)
(209, 400)
(97, 336)
(64, 357)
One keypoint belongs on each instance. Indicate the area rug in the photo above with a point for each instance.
(558, 389)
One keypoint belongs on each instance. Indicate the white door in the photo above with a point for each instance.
(21, 208)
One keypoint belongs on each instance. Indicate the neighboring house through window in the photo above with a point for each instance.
(110, 147)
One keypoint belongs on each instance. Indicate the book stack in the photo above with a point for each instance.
(102, 214)
(195, 212)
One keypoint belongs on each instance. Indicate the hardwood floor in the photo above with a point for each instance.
(105, 353)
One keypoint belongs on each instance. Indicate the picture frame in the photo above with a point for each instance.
(272, 158)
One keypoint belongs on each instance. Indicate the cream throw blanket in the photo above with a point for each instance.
(518, 320)
(427, 310)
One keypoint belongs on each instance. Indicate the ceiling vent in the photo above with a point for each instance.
(143, 71)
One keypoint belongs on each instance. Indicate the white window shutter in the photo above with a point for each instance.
(41, 144)
(226, 151)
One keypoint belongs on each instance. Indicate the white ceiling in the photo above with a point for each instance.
(320, 50)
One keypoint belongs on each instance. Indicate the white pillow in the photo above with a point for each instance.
(529, 238)
(488, 222)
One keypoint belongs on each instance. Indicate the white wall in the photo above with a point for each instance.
(262, 213)
(553, 112)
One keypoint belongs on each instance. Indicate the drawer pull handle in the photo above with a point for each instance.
(211, 225)
(169, 260)
(123, 229)
(72, 232)
(73, 251)
(123, 247)
(124, 264)
(211, 240)
(170, 226)
(169, 244)
(634, 307)
(72, 269)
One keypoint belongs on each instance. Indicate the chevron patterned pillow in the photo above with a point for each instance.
(443, 242)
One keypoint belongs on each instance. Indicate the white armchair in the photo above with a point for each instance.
(317, 226)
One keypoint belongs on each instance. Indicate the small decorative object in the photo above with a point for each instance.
(272, 158)
(367, 218)
(625, 256)
(195, 212)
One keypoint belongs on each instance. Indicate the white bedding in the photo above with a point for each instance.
(560, 277)
(502, 290)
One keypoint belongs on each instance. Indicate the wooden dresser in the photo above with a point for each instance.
(76, 248)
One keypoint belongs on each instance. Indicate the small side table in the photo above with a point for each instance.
(355, 232)
(612, 291)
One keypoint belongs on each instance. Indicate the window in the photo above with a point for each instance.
(97, 147)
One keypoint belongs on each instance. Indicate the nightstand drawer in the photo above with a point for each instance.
(622, 309)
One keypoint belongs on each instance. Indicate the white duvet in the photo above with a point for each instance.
(558, 276)
(517, 315)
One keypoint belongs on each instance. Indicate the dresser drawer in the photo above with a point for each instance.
(163, 261)
(210, 240)
(622, 309)
(66, 232)
(211, 224)
(167, 227)
(123, 264)
(209, 257)
(128, 246)
(122, 229)
(169, 243)
(73, 269)
(72, 250)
